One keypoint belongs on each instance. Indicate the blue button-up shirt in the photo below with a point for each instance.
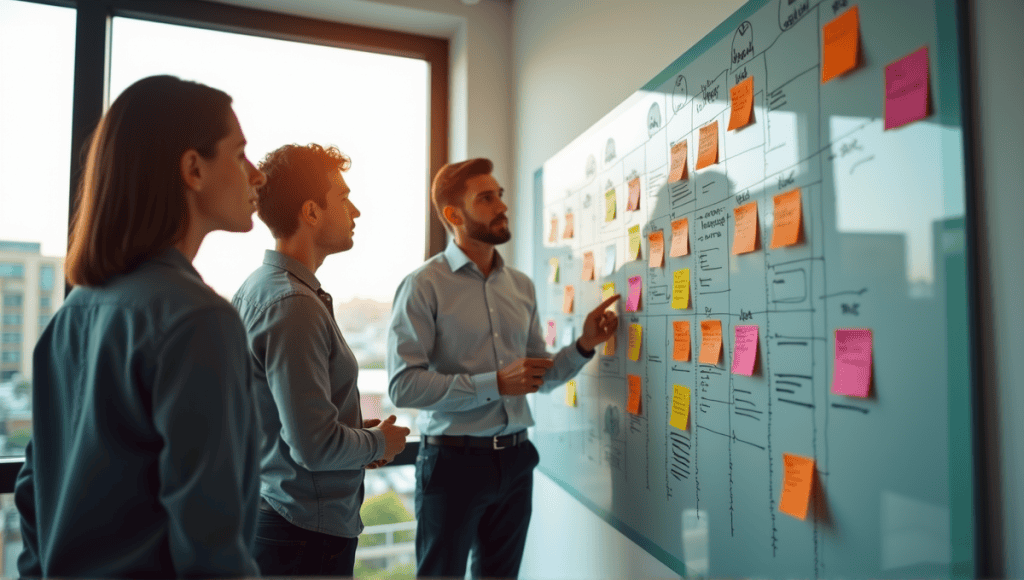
(143, 459)
(314, 449)
(452, 329)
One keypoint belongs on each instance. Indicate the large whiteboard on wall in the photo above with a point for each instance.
(881, 248)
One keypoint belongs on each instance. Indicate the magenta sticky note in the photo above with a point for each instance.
(852, 375)
(744, 351)
(636, 285)
(551, 333)
(906, 89)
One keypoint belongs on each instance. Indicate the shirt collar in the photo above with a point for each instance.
(292, 266)
(457, 258)
(173, 257)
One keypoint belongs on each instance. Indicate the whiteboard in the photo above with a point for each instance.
(881, 247)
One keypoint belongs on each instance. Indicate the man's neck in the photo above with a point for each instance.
(481, 253)
(301, 247)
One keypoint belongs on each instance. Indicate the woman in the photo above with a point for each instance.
(143, 459)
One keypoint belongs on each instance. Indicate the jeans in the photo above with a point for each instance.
(284, 549)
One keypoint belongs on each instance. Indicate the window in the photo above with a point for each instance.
(44, 319)
(44, 302)
(12, 270)
(12, 320)
(12, 300)
(12, 356)
(46, 277)
(11, 338)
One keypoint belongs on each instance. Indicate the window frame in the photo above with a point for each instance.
(92, 73)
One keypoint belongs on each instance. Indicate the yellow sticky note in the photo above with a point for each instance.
(708, 152)
(553, 236)
(680, 238)
(569, 232)
(677, 169)
(570, 393)
(553, 271)
(634, 242)
(635, 334)
(588, 266)
(609, 347)
(609, 205)
(839, 45)
(567, 299)
(745, 238)
(681, 340)
(681, 289)
(633, 403)
(786, 221)
(711, 341)
(680, 407)
(797, 476)
(607, 291)
(742, 96)
(656, 249)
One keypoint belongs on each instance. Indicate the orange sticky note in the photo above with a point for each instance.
(568, 233)
(634, 194)
(588, 266)
(680, 238)
(839, 45)
(567, 299)
(742, 96)
(677, 169)
(797, 476)
(711, 341)
(786, 223)
(635, 335)
(656, 242)
(554, 230)
(745, 238)
(634, 242)
(708, 152)
(680, 407)
(609, 347)
(633, 403)
(681, 340)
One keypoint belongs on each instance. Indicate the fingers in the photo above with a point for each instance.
(602, 306)
(370, 423)
(538, 363)
(391, 419)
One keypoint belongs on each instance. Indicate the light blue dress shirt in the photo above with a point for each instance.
(452, 330)
(314, 448)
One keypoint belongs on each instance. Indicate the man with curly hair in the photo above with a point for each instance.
(316, 443)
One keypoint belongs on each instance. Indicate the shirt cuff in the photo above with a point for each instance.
(486, 388)
(382, 444)
(579, 349)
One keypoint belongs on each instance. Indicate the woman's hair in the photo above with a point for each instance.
(131, 199)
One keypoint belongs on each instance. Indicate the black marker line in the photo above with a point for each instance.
(808, 405)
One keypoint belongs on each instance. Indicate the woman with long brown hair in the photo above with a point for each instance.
(143, 459)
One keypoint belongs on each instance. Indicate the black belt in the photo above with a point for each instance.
(494, 443)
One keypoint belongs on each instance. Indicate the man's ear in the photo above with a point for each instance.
(310, 212)
(452, 215)
(192, 170)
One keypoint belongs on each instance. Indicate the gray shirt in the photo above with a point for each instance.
(452, 329)
(314, 448)
(143, 459)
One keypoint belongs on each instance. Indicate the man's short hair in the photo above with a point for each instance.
(295, 175)
(450, 183)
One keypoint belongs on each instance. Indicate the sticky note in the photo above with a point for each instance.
(567, 299)
(681, 289)
(607, 291)
(656, 249)
(636, 284)
(570, 393)
(680, 407)
(786, 221)
(744, 351)
(681, 340)
(906, 89)
(609, 205)
(588, 266)
(677, 168)
(551, 336)
(609, 261)
(609, 347)
(708, 152)
(852, 375)
(634, 194)
(569, 232)
(798, 474)
(742, 97)
(553, 236)
(745, 236)
(635, 334)
(839, 45)
(711, 341)
(634, 242)
(680, 238)
(553, 271)
(633, 403)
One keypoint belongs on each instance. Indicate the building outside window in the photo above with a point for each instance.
(13, 300)
(12, 320)
(12, 270)
(46, 277)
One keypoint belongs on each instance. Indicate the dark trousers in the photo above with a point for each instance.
(473, 498)
(284, 549)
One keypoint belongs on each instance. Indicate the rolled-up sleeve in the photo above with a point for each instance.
(566, 362)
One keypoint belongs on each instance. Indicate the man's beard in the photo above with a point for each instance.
(482, 232)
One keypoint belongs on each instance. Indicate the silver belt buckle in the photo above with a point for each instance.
(495, 443)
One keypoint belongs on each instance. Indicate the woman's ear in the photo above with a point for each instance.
(192, 170)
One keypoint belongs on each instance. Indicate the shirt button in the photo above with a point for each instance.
(495, 335)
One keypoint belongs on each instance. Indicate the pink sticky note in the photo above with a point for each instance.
(853, 362)
(636, 285)
(906, 89)
(744, 351)
(551, 333)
